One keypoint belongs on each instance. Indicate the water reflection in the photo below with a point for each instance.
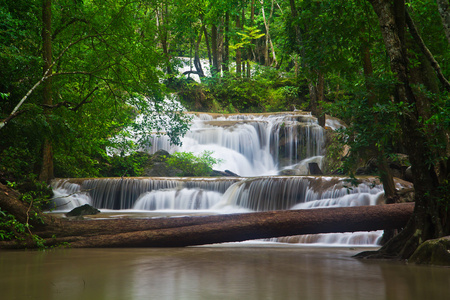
(214, 273)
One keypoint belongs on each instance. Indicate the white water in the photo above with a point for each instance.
(251, 145)
(255, 146)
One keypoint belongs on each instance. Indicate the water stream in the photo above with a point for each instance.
(251, 272)
(256, 146)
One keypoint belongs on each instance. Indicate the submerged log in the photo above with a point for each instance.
(190, 231)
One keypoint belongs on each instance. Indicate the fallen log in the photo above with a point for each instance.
(190, 231)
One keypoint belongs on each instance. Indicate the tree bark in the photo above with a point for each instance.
(444, 12)
(205, 32)
(197, 61)
(46, 173)
(428, 220)
(215, 55)
(188, 231)
(316, 94)
(226, 46)
(238, 50)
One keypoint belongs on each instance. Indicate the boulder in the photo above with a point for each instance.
(433, 252)
(82, 211)
(156, 166)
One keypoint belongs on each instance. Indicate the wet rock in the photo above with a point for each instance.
(82, 211)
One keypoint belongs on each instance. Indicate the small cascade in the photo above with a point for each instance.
(281, 193)
(183, 199)
(124, 193)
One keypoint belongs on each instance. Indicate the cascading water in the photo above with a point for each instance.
(249, 145)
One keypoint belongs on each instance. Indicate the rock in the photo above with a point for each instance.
(408, 174)
(398, 166)
(82, 211)
(433, 252)
(289, 172)
(232, 174)
(156, 166)
(314, 169)
(226, 173)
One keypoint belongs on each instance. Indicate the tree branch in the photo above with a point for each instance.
(44, 77)
(418, 39)
(70, 105)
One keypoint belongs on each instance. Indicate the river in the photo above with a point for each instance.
(230, 271)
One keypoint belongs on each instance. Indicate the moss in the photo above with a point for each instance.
(433, 252)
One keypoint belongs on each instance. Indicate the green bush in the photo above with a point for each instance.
(191, 165)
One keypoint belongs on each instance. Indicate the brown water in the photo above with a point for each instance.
(251, 272)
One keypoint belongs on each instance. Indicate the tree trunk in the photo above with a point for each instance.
(238, 50)
(383, 168)
(187, 231)
(197, 62)
(214, 37)
(428, 217)
(205, 32)
(226, 46)
(444, 12)
(316, 94)
(46, 173)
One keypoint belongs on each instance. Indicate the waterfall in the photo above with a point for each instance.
(251, 144)
(255, 146)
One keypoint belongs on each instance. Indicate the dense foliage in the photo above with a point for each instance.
(191, 165)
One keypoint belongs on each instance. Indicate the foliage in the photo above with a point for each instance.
(192, 165)
(36, 195)
(106, 72)
(267, 91)
(125, 165)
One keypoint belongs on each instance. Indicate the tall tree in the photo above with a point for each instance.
(430, 218)
(46, 173)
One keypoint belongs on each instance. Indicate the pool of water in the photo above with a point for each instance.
(232, 271)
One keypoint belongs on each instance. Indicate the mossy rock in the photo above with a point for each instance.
(433, 252)
(82, 211)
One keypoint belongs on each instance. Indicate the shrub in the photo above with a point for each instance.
(191, 165)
